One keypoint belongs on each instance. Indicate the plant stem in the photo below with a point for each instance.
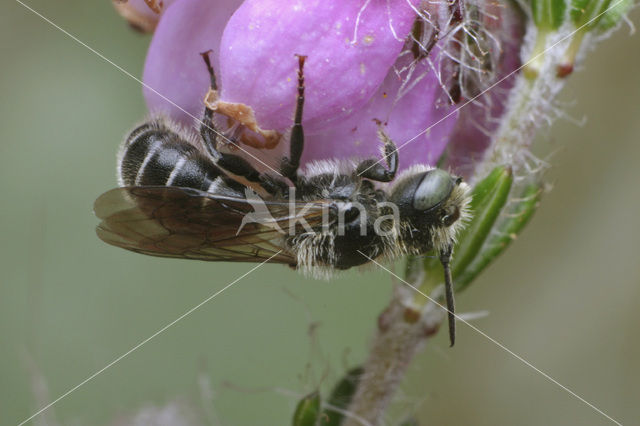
(529, 106)
(401, 333)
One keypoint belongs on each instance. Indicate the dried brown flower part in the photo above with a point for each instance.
(142, 15)
(242, 124)
(155, 5)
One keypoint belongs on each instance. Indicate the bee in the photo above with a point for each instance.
(183, 197)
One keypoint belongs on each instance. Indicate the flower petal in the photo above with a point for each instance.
(350, 47)
(174, 69)
(419, 120)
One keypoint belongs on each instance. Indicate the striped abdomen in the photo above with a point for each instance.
(154, 154)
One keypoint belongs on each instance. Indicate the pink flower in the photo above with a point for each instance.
(359, 68)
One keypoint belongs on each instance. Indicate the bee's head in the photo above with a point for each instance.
(433, 203)
(433, 208)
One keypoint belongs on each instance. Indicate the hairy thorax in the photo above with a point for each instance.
(352, 235)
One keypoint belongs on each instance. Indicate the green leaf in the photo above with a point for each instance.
(503, 234)
(612, 17)
(307, 411)
(411, 421)
(578, 10)
(598, 14)
(587, 13)
(341, 396)
(489, 196)
(548, 14)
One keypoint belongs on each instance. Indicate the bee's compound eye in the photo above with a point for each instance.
(436, 186)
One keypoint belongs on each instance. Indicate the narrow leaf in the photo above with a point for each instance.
(503, 234)
(341, 396)
(489, 196)
(411, 421)
(598, 14)
(548, 14)
(307, 411)
(612, 16)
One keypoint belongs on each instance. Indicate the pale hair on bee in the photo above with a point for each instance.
(184, 197)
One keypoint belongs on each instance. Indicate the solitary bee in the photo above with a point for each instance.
(186, 198)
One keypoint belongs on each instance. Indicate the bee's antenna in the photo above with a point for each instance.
(445, 259)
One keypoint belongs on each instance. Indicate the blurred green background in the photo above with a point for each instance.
(566, 296)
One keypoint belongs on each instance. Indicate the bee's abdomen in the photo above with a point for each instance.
(156, 155)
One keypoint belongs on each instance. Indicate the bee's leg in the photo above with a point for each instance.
(208, 130)
(231, 163)
(289, 166)
(419, 48)
(373, 170)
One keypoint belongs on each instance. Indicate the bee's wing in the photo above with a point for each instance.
(192, 224)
